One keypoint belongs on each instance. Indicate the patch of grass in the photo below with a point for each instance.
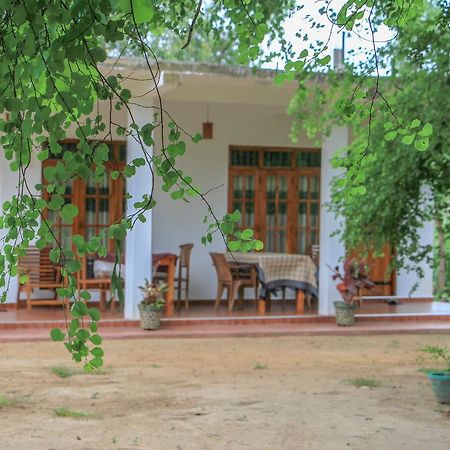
(365, 382)
(5, 401)
(65, 372)
(259, 366)
(426, 370)
(64, 412)
(101, 371)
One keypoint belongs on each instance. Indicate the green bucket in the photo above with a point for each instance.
(440, 382)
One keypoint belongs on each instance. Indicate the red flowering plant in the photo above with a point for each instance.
(354, 278)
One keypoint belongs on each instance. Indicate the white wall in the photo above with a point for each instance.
(8, 188)
(175, 222)
(406, 281)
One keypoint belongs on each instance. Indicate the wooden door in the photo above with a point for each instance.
(243, 190)
(308, 211)
(277, 191)
(278, 215)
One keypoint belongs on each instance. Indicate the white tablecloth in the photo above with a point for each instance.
(105, 268)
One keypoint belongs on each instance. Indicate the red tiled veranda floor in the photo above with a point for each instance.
(205, 310)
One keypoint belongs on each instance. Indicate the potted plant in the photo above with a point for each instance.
(353, 279)
(152, 305)
(440, 378)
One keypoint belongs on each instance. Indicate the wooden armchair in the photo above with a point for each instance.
(42, 275)
(101, 284)
(234, 277)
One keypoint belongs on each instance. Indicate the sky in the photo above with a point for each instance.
(358, 40)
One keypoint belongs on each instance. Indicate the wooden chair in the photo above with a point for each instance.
(315, 253)
(160, 275)
(101, 284)
(184, 264)
(234, 277)
(42, 275)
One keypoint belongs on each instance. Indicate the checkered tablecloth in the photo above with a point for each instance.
(278, 270)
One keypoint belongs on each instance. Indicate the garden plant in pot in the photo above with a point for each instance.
(353, 279)
(440, 378)
(152, 305)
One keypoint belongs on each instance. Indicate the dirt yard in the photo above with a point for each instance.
(214, 394)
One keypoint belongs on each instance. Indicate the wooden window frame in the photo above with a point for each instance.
(260, 173)
(116, 210)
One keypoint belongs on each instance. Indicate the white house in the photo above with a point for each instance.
(250, 163)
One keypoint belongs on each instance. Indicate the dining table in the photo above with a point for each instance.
(277, 271)
(164, 262)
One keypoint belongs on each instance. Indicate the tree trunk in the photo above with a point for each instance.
(442, 255)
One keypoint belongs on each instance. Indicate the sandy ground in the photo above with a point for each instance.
(213, 394)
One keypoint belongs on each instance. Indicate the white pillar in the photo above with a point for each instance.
(331, 249)
(406, 281)
(138, 251)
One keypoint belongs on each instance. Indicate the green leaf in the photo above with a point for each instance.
(96, 339)
(79, 309)
(94, 314)
(78, 240)
(85, 295)
(426, 131)
(359, 190)
(390, 136)
(247, 234)
(73, 266)
(142, 9)
(324, 61)
(235, 216)
(73, 327)
(68, 213)
(146, 133)
(408, 139)
(57, 335)
(415, 123)
(97, 352)
(279, 79)
(233, 246)
(421, 144)
(83, 334)
(258, 245)
(227, 227)
(96, 362)
(176, 195)
(56, 202)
